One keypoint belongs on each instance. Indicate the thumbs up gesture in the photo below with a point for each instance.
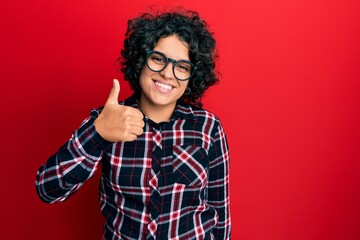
(118, 123)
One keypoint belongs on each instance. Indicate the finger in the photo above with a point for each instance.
(131, 137)
(139, 123)
(137, 113)
(114, 93)
(137, 130)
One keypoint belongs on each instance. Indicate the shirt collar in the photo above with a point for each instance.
(182, 110)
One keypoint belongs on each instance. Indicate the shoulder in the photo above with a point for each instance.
(209, 120)
(204, 115)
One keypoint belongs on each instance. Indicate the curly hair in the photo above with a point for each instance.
(144, 32)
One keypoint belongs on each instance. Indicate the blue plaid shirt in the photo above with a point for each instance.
(171, 183)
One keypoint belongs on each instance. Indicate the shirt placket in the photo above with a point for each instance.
(155, 202)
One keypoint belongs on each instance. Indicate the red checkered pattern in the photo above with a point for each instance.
(171, 183)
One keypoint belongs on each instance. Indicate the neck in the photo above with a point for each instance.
(155, 112)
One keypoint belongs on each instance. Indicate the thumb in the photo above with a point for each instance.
(114, 93)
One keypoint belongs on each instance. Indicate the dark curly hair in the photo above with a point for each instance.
(144, 32)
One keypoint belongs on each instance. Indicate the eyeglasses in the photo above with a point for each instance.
(157, 61)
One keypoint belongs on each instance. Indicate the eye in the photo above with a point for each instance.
(183, 66)
(156, 58)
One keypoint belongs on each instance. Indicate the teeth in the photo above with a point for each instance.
(164, 86)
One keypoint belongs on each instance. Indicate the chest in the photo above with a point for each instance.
(177, 152)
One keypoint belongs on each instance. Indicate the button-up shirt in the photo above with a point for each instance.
(171, 183)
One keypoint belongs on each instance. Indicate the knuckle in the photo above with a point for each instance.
(125, 110)
(137, 112)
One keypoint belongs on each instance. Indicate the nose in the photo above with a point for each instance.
(167, 72)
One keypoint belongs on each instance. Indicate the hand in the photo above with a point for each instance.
(118, 123)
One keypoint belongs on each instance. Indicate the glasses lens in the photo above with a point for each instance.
(156, 62)
(183, 70)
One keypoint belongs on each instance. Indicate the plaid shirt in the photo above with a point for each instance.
(171, 183)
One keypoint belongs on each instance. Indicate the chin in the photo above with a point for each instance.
(163, 100)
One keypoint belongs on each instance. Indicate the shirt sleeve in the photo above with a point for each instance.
(74, 163)
(218, 183)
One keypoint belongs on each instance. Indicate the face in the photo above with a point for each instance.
(162, 89)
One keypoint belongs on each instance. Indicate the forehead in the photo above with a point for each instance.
(173, 47)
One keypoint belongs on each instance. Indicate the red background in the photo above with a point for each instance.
(289, 100)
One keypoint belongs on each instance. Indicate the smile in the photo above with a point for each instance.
(163, 86)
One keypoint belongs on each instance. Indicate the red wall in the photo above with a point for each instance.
(289, 100)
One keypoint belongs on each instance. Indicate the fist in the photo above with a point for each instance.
(118, 123)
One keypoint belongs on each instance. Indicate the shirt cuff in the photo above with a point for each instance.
(90, 140)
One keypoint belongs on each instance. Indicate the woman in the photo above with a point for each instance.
(165, 160)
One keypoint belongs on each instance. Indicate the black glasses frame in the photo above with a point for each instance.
(167, 60)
